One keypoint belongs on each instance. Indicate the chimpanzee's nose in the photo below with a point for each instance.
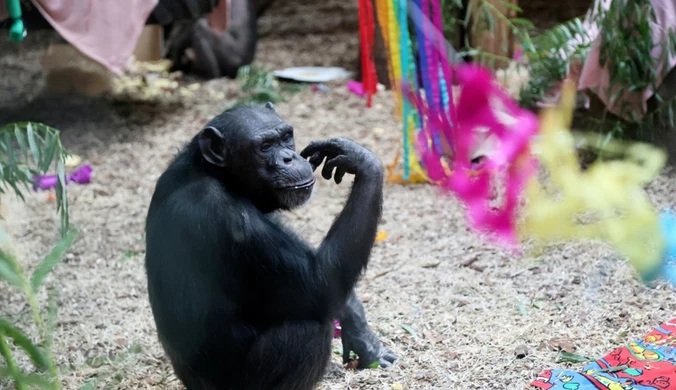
(287, 157)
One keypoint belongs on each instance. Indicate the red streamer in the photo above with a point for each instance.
(367, 31)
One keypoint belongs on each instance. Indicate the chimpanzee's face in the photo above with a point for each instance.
(257, 147)
(278, 166)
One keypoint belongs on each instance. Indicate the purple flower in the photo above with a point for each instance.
(336, 329)
(44, 182)
(82, 175)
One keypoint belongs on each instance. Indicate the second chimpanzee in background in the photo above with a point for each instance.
(239, 300)
(195, 47)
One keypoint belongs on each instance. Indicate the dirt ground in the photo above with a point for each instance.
(467, 305)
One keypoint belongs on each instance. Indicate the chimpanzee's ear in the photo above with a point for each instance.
(212, 146)
(270, 106)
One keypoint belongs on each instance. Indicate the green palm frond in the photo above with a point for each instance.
(27, 150)
(261, 86)
(549, 56)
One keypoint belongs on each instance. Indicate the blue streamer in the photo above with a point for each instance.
(668, 268)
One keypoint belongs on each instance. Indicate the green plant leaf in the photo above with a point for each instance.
(375, 364)
(511, 6)
(9, 148)
(8, 275)
(89, 384)
(53, 258)
(36, 354)
(522, 22)
(52, 311)
(8, 269)
(21, 140)
(33, 144)
(61, 196)
(567, 357)
(52, 144)
(409, 330)
(40, 381)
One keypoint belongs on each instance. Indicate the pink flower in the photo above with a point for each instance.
(83, 175)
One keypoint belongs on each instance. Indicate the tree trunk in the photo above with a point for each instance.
(500, 40)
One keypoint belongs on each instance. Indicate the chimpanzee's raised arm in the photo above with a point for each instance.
(301, 280)
(352, 235)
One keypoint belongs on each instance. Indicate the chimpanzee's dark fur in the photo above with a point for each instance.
(240, 301)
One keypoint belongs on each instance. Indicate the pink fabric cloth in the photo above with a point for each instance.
(107, 30)
(218, 18)
(597, 79)
(104, 30)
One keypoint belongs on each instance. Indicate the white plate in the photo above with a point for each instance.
(313, 74)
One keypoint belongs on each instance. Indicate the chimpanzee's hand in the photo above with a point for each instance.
(346, 156)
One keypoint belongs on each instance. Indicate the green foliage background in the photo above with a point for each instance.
(28, 150)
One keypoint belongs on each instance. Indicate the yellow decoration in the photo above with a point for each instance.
(382, 13)
(72, 160)
(393, 31)
(416, 176)
(609, 195)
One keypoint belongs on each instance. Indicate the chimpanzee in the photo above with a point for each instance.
(240, 301)
(216, 54)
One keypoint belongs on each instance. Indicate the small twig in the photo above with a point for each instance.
(383, 273)
(469, 262)
(615, 369)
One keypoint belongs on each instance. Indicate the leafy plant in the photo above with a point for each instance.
(482, 16)
(449, 20)
(626, 48)
(261, 86)
(549, 55)
(626, 45)
(26, 150)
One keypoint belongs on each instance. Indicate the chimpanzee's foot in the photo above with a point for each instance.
(358, 337)
(369, 349)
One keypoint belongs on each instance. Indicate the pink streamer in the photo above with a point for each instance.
(474, 187)
(356, 88)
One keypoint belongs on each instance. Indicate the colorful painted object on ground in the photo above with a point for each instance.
(647, 364)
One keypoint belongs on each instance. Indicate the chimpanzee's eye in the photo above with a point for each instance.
(265, 147)
(287, 137)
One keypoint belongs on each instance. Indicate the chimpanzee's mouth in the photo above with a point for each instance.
(300, 186)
